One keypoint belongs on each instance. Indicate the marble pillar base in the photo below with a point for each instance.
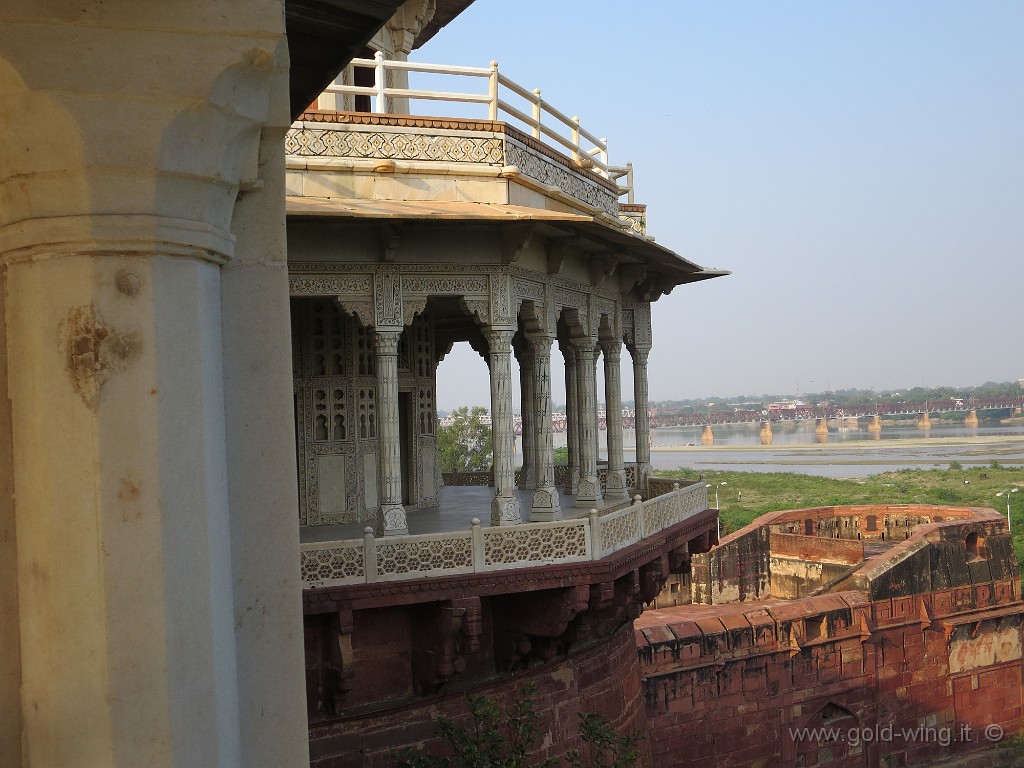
(588, 493)
(505, 511)
(615, 485)
(391, 520)
(545, 504)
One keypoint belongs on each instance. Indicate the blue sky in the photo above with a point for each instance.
(858, 167)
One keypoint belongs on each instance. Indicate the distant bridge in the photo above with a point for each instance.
(664, 417)
(671, 417)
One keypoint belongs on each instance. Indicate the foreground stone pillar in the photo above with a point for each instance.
(391, 519)
(643, 416)
(545, 498)
(528, 475)
(615, 487)
(149, 596)
(505, 506)
(572, 419)
(588, 493)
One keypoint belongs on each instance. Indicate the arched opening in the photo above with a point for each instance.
(974, 543)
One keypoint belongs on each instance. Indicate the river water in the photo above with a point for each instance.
(848, 452)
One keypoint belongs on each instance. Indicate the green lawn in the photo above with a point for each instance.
(744, 496)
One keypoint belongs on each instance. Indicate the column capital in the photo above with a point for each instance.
(385, 340)
(540, 344)
(612, 350)
(639, 354)
(584, 345)
(499, 340)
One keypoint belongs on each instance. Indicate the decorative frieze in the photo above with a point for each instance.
(360, 143)
(445, 284)
(547, 172)
(329, 285)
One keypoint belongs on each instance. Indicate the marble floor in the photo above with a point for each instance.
(459, 505)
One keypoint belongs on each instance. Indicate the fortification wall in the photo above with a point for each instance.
(604, 679)
(906, 681)
(918, 661)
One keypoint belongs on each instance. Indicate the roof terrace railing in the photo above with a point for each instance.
(539, 116)
(485, 549)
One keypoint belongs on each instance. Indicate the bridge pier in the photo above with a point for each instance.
(923, 422)
(971, 420)
(875, 425)
(1016, 411)
(821, 427)
(707, 437)
(766, 433)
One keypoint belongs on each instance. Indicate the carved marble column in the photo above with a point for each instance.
(505, 506)
(545, 498)
(615, 488)
(588, 493)
(527, 478)
(642, 417)
(572, 420)
(391, 514)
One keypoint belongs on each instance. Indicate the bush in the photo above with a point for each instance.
(496, 739)
(956, 466)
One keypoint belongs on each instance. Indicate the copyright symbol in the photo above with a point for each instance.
(994, 732)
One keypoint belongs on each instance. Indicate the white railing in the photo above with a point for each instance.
(485, 549)
(540, 117)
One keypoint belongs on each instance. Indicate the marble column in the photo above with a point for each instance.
(150, 601)
(528, 476)
(545, 498)
(642, 418)
(588, 493)
(505, 506)
(572, 420)
(391, 518)
(615, 487)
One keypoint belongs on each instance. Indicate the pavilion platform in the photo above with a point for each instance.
(459, 505)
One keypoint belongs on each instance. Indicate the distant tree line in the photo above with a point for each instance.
(843, 397)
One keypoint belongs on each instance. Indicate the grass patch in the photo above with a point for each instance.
(744, 496)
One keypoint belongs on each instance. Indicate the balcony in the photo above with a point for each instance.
(521, 152)
(482, 549)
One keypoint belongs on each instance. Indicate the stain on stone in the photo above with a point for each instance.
(93, 351)
(129, 490)
(127, 282)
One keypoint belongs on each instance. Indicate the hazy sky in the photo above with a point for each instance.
(858, 166)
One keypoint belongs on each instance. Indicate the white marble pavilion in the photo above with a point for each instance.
(407, 234)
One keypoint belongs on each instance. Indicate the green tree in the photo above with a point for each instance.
(465, 446)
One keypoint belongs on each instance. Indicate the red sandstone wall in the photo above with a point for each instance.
(816, 549)
(604, 679)
(910, 672)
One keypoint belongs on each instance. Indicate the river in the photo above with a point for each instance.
(848, 452)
